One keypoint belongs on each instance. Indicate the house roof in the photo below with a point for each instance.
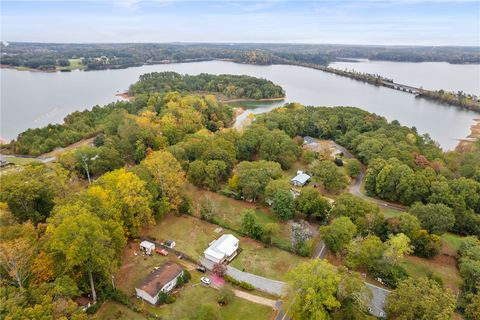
(227, 244)
(301, 177)
(309, 140)
(156, 280)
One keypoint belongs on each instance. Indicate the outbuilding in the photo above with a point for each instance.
(300, 179)
(223, 249)
(147, 247)
(164, 279)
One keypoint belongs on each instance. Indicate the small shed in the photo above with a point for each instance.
(147, 246)
(300, 179)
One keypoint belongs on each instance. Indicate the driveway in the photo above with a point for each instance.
(379, 296)
(260, 283)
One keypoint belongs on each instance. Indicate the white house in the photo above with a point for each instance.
(163, 279)
(223, 249)
(147, 246)
(300, 179)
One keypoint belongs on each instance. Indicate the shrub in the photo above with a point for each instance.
(94, 307)
(225, 296)
(246, 286)
(390, 274)
(220, 269)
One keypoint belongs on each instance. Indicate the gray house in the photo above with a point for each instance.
(163, 280)
(300, 179)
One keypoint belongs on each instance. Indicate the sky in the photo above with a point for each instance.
(396, 22)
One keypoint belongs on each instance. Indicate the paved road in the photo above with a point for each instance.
(261, 283)
(355, 190)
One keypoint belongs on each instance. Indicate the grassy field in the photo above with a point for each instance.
(74, 64)
(113, 311)
(451, 241)
(195, 295)
(20, 160)
(193, 236)
(442, 266)
(390, 213)
(229, 212)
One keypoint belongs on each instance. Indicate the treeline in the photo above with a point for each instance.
(402, 165)
(467, 101)
(232, 86)
(48, 56)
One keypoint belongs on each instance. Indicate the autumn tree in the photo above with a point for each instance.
(121, 196)
(84, 243)
(253, 177)
(364, 252)
(420, 299)
(167, 175)
(313, 289)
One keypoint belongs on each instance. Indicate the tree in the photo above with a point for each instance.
(125, 192)
(269, 230)
(396, 247)
(405, 223)
(167, 175)
(30, 193)
(426, 245)
(283, 205)
(365, 215)
(313, 289)
(274, 186)
(312, 204)
(472, 309)
(225, 295)
(329, 176)
(197, 171)
(420, 299)
(250, 224)
(253, 177)
(84, 243)
(15, 257)
(435, 218)
(219, 269)
(364, 252)
(277, 146)
(215, 171)
(338, 234)
(354, 167)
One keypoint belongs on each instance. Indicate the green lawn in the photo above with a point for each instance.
(452, 240)
(20, 160)
(192, 297)
(440, 266)
(390, 213)
(193, 236)
(114, 311)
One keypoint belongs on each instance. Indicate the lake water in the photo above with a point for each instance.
(430, 75)
(34, 99)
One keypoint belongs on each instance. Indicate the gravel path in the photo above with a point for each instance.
(253, 298)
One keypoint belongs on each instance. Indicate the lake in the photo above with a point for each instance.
(34, 99)
(430, 75)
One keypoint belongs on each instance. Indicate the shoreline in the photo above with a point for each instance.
(467, 144)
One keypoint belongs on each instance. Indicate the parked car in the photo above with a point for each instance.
(163, 252)
(205, 281)
(169, 243)
(202, 269)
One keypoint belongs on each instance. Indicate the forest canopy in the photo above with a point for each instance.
(232, 86)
